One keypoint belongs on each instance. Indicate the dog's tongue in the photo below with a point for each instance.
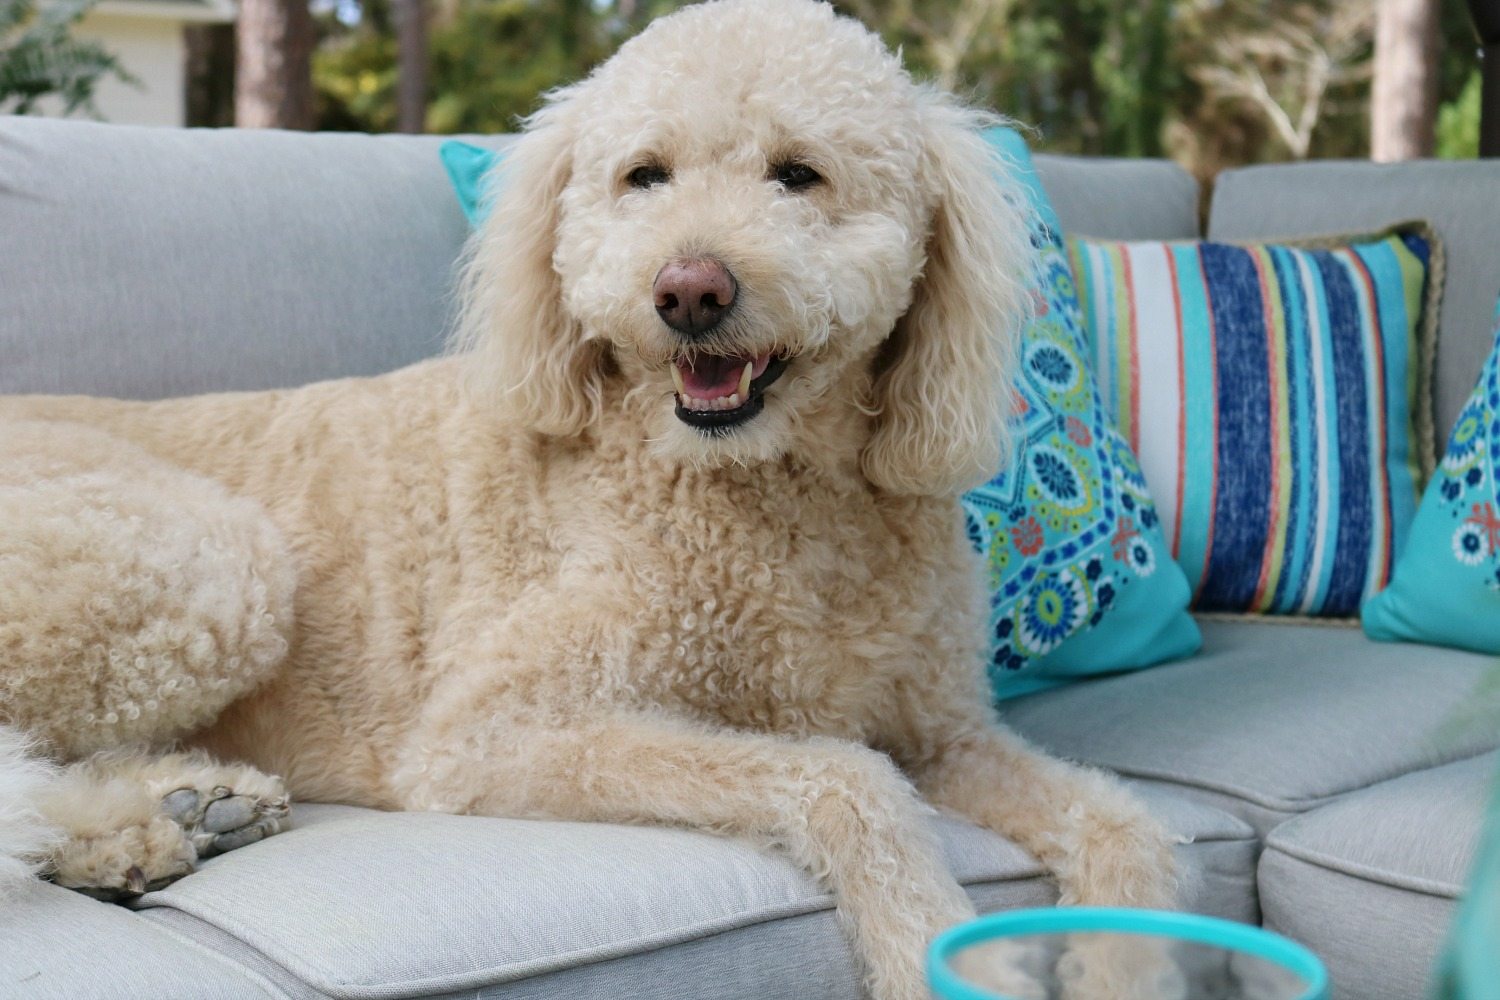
(710, 376)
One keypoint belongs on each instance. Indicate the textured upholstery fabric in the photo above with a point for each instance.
(1368, 882)
(1284, 487)
(1458, 199)
(147, 262)
(357, 903)
(1269, 720)
(58, 945)
(1121, 199)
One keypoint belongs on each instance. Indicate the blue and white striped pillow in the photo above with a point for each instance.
(1278, 397)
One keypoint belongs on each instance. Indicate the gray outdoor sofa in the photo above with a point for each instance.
(1326, 786)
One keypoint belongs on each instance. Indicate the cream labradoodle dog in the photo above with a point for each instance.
(673, 538)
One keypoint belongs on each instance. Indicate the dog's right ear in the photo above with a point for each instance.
(528, 356)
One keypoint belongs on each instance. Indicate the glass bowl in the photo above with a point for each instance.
(1030, 954)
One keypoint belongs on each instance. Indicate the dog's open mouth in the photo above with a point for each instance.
(717, 392)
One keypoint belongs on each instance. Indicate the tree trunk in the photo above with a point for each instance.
(208, 75)
(411, 65)
(1404, 95)
(273, 86)
(1486, 15)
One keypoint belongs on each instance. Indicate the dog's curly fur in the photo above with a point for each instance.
(523, 586)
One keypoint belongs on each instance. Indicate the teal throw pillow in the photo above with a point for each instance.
(1446, 585)
(1079, 575)
(468, 169)
(1080, 580)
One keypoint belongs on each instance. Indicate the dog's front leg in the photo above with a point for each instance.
(1099, 841)
(839, 810)
(1103, 846)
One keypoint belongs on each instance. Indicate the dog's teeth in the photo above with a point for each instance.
(677, 380)
(732, 402)
(745, 379)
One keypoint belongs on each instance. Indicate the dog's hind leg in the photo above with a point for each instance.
(131, 821)
(137, 600)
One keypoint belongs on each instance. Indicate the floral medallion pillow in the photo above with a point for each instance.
(1446, 585)
(1079, 577)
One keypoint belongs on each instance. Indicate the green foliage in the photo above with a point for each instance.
(39, 57)
(490, 62)
(1212, 83)
(1458, 123)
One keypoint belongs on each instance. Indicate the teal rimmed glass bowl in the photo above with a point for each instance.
(1196, 957)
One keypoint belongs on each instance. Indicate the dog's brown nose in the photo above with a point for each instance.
(693, 295)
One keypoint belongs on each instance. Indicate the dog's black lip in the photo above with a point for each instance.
(719, 422)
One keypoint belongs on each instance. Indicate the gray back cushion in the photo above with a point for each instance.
(1121, 199)
(1460, 199)
(147, 262)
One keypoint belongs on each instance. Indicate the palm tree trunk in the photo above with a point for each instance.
(1404, 96)
(273, 84)
(411, 65)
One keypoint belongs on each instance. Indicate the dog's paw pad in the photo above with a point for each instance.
(248, 833)
(220, 820)
(230, 813)
(181, 806)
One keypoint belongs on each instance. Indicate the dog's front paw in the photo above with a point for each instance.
(221, 818)
(1119, 967)
(1005, 968)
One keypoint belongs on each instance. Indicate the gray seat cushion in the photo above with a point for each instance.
(1270, 720)
(360, 904)
(1369, 882)
(1460, 198)
(58, 945)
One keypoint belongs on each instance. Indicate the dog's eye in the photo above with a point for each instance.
(793, 175)
(648, 176)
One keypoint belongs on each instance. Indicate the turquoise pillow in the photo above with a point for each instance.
(468, 167)
(1079, 577)
(1446, 586)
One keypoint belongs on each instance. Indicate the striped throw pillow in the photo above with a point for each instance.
(1279, 400)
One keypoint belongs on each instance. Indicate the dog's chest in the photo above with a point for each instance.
(793, 610)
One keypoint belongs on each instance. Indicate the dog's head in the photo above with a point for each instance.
(755, 223)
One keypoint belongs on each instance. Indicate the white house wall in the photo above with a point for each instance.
(152, 50)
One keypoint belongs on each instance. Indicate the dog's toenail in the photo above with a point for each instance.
(135, 880)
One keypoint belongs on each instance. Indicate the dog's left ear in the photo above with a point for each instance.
(943, 395)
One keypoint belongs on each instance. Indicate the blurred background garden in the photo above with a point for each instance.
(1209, 83)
